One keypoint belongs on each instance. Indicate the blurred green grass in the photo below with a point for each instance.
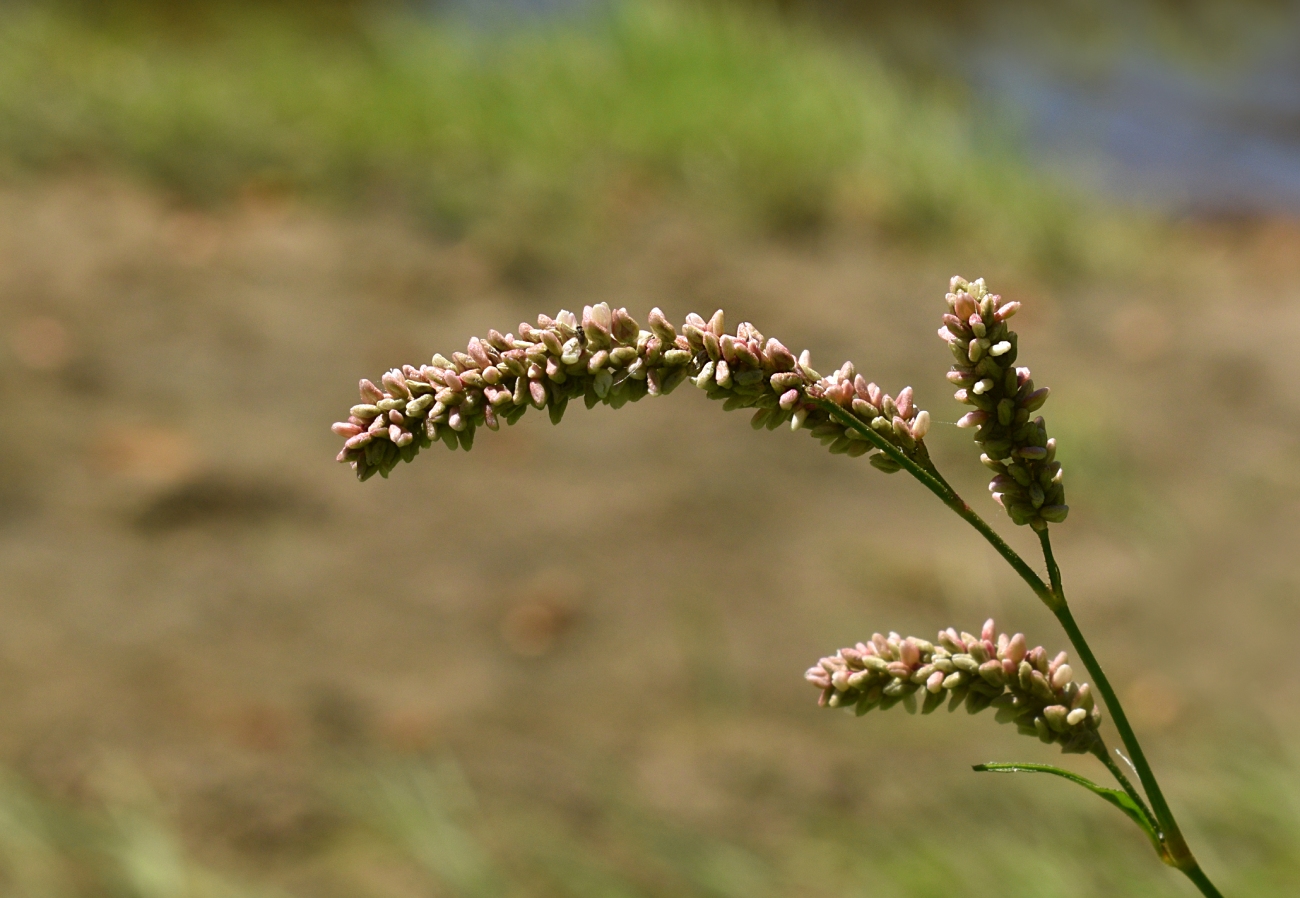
(541, 142)
(415, 826)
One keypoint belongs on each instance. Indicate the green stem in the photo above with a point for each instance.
(1102, 754)
(1179, 855)
(1053, 596)
(935, 483)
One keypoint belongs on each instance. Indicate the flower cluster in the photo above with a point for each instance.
(749, 372)
(608, 358)
(1027, 688)
(1027, 477)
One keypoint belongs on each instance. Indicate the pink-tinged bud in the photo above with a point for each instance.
(949, 337)
(934, 684)
(1023, 375)
(478, 354)
(395, 432)
(817, 677)
(395, 381)
(745, 355)
(717, 324)
(864, 409)
(964, 307)
(780, 357)
(453, 382)
(345, 430)
(1062, 677)
(660, 325)
(369, 392)
(951, 641)
(727, 344)
(551, 340)
(1034, 401)
(921, 425)
(875, 395)
(989, 630)
(910, 654)
(599, 315)
(1016, 648)
(712, 346)
(904, 403)
(899, 670)
(359, 440)
(788, 399)
(537, 392)
(1006, 310)
(973, 419)
(805, 365)
(1038, 657)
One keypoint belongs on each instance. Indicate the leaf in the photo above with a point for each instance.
(1117, 797)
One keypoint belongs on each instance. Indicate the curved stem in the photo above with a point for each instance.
(935, 483)
(1179, 855)
(1102, 754)
(1053, 596)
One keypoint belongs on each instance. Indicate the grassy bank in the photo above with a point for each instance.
(536, 142)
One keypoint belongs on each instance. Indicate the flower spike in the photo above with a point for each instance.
(1027, 477)
(608, 358)
(1037, 694)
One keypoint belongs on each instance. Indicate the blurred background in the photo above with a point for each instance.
(570, 664)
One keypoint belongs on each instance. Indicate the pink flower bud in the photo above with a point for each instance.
(369, 392)
(717, 324)
(1006, 310)
(904, 403)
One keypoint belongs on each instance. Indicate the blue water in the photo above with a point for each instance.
(1217, 136)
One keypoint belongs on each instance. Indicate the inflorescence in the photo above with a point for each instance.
(608, 358)
(1037, 694)
(1027, 477)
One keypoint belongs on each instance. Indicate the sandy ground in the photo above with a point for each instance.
(191, 587)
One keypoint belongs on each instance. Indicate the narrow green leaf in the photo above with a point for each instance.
(1117, 797)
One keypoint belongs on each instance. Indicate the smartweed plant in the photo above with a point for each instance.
(607, 357)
